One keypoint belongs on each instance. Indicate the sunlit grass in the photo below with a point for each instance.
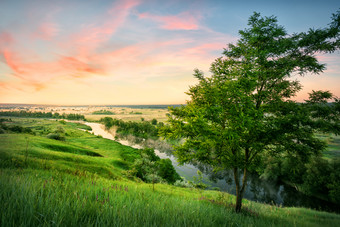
(128, 114)
(40, 197)
(333, 149)
(57, 183)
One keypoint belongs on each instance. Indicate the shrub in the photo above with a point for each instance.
(59, 130)
(56, 136)
(167, 171)
(183, 183)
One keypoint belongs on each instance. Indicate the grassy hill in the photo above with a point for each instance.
(80, 181)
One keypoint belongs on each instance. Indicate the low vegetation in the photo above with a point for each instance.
(143, 129)
(30, 114)
(43, 181)
(103, 112)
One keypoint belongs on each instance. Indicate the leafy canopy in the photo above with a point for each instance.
(245, 107)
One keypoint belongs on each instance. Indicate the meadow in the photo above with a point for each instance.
(81, 181)
(130, 114)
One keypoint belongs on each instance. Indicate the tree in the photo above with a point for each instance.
(154, 121)
(167, 171)
(244, 110)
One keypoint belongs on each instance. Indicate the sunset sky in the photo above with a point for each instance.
(78, 52)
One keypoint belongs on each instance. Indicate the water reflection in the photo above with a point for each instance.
(257, 189)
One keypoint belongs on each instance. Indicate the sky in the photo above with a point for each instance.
(126, 52)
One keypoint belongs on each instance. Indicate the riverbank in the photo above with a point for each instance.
(43, 181)
(258, 190)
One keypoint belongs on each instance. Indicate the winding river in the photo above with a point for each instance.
(256, 190)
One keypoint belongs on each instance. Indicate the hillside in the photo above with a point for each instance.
(78, 179)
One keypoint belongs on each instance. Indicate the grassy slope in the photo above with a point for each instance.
(333, 150)
(61, 185)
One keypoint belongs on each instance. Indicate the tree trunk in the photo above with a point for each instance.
(239, 188)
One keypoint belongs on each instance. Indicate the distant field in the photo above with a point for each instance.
(130, 114)
(95, 113)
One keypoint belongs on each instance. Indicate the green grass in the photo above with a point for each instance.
(103, 112)
(55, 183)
(333, 148)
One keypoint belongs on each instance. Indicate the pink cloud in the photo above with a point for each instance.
(92, 36)
(332, 62)
(182, 21)
(46, 31)
(6, 39)
(12, 62)
(74, 65)
(81, 61)
(124, 5)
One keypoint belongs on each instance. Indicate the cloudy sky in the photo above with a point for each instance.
(133, 51)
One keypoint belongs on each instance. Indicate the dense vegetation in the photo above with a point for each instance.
(24, 113)
(50, 182)
(143, 129)
(150, 168)
(315, 176)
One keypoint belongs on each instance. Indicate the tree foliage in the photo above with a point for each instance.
(143, 129)
(245, 109)
(38, 114)
(151, 168)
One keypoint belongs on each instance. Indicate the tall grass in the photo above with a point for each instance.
(35, 198)
(45, 186)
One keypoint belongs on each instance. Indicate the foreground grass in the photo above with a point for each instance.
(61, 184)
(40, 197)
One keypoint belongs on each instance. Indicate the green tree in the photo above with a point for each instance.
(154, 121)
(167, 171)
(244, 110)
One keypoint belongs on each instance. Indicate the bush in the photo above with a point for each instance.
(153, 178)
(2, 131)
(183, 183)
(150, 153)
(198, 181)
(323, 178)
(316, 177)
(143, 129)
(167, 171)
(154, 121)
(334, 182)
(56, 136)
(103, 112)
(59, 130)
(150, 168)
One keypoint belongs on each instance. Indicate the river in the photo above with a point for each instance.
(256, 190)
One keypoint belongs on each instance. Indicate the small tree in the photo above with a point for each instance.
(167, 171)
(244, 109)
(154, 121)
(198, 181)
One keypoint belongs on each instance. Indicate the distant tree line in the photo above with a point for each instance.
(13, 128)
(103, 112)
(143, 129)
(23, 113)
